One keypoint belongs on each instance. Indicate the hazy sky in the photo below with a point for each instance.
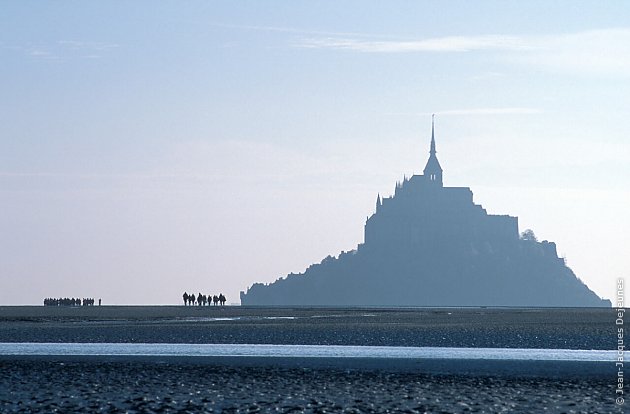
(147, 148)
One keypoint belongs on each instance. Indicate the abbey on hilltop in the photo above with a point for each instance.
(430, 245)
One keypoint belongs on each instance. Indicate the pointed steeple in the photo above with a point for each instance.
(433, 151)
(433, 170)
(378, 201)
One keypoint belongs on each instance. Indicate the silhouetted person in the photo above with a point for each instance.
(185, 297)
(99, 301)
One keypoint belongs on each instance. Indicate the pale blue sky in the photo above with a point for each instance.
(169, 146)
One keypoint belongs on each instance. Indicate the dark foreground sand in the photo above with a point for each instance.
(48, 385)
(584, 328)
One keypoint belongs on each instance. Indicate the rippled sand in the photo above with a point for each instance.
(49, 386)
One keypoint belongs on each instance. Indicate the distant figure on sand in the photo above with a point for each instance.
(68, 302)
(200, 299)
(188, 299)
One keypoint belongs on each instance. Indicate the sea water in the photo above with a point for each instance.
(303, 351)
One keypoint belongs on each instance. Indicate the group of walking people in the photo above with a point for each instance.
(203, 300)
(70, 302)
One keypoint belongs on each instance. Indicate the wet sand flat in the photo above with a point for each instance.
(237, 384)
(584, 328)
(46, 385)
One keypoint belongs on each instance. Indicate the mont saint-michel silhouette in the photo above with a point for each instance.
(430, 245)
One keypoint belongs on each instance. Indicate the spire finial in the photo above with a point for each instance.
(432, 134)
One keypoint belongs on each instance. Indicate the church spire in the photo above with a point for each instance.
(433, 151)
(433, 170)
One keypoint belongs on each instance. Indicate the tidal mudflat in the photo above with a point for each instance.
(447, 327)
(141, 386)
(98, 383)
